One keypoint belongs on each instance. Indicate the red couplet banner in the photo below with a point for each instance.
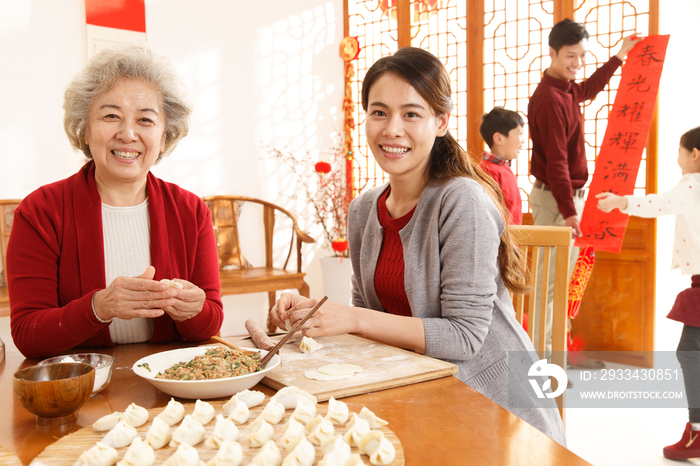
(123, 14)
(617, 163)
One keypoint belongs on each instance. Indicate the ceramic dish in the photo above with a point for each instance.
(196, 389)
(101, 362)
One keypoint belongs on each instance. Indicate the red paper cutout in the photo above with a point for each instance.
(124, 14)
(617, 163)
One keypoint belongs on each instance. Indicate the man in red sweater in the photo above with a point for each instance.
(558, 161)
(502, 131)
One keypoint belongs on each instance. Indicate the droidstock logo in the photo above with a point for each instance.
(542, 368)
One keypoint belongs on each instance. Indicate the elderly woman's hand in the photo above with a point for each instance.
(132, 297)
(189, 301)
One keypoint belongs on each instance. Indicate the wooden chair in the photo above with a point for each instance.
(7, 209)
(546, 240)
(237, 275)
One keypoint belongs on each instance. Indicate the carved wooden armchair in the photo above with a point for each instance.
(237, 275)
(7, 210)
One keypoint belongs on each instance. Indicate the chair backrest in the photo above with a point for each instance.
(7, 210)
(225, 213)
(548, 241)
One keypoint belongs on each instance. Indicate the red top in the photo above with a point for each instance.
(55, 263)
(388, 276)
(556, 130)
(505, 178)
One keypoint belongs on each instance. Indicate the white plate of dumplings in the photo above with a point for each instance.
(196, 389)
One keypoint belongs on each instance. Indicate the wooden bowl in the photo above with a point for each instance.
(54, 392)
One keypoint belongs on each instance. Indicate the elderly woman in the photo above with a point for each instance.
(87, 254)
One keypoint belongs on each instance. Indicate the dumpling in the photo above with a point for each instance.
(292, 433)
(379, 449)
(203, 412)
(335, 451)
(290, 396)
(311, 425)
(107, 422)
(273, 412)
(357, 427)
(173, 412)
(269, 455)
(100, 454)
(261, 433)
(135, 415)
(159, 434)
(309, 345)
(191, 431)
(303, 454)
(355, 460)
(372, 419)
(121, 435)
(251, 398)
(230, 454)
(185, 455)
(321, 431)
(237, 411)
(139, 454)
(224, 430)
(338, 412)
(305, 411)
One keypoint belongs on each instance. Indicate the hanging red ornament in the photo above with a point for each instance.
(340, 245)
(322, 167)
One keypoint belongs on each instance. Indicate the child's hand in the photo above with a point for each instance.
(609, 201)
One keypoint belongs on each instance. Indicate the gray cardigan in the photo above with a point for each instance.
(453, 284)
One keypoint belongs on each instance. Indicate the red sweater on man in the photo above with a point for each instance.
(556, 129)
(55, 263)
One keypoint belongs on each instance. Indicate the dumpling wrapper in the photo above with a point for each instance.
(339, 369)
(316, 375)
(172, 283)
(100, 453)
(107, 422)
(140, 453)
(309, 345)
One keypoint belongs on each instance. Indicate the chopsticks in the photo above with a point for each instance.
(289, 334)
(232, 346)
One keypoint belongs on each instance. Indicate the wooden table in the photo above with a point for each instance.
(442, 421)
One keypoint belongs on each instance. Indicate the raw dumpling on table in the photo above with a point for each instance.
(335, 442)
(261, 433)
(121, 435)
(303, 454)
(185, 455)
(159, 434)
(139, 453)
(230, 454)
(269, 455)
(107, 422)
(335, 452)
(191, 431)
(273, 412)
(371, 418)
(356, 428)
(379, 449)
(355, 460)
(135, 415)
(100, 454)
(251, 398)
(173, 413)
(338, 412)
(203, 412)
(304, 412)
(237, 410)
(292, 432)
(290, 396)
(322, 430)
(224, 430)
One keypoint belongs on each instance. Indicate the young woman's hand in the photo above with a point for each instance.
(609, 201)
(330, 319)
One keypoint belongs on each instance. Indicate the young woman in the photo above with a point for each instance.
(430, 250)
(684, 202)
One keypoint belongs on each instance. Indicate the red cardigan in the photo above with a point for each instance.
(505, 178)
(55, 263)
